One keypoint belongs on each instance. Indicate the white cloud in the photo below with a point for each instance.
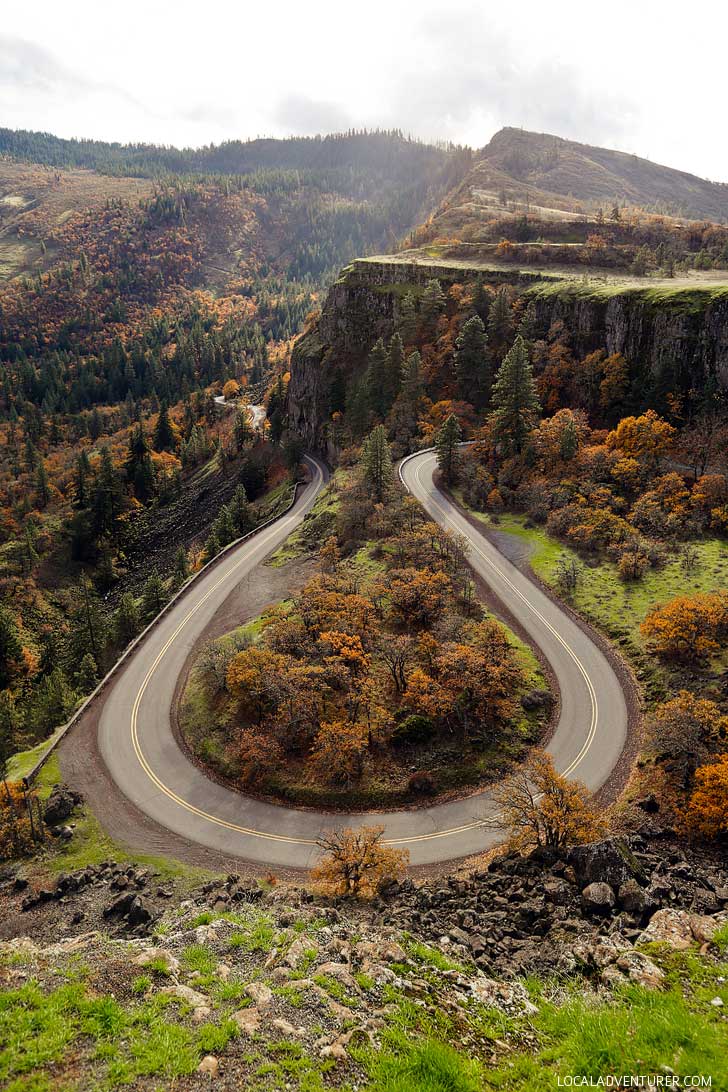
(643, 77)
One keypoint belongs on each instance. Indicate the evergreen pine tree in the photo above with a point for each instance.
(242, 431)
(83, 473)
(181, 568)
(10, 647)
(241, 511)
(403, 420)
(407, 320)
(212, 548)
(87, 675)
(446, 447)
(515, 399)
(224, 527)
(126, 621)
(395, 368)
(432, 304)
(107, 497)
(376, 380)
(481, 300)
(139, 466)
(152, 596)
(164, 434)
(41, 481)
(500, 321)
(376, 463)
(358, 411)
(472, 366)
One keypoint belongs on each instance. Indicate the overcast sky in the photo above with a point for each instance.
(647, 77)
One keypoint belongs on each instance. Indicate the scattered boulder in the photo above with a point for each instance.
(60, 805)
(260, 994)
(209, 1065)
(509, 997)
(679, 928)
(598, 899)
(159, 956)
(248, 1020)
(631, 898)
(187, 994)
(536, 699)
(130, 908)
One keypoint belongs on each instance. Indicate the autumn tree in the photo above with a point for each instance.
(647, 438)
(472, 366)
(707, 811)
(540, 807)
(448, 451)
(231, 390)
(356, 863)
(338, 752)
(687, 728)
(376, 463)
(688, 627)
(256, 756)
(515, 400)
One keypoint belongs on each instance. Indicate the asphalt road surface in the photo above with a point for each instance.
(144, 759)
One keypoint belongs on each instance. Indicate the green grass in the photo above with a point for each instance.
(429, 1066)
(617, 606)
(39, 1030)
(317, 525)
(23, 762)
(259, 935)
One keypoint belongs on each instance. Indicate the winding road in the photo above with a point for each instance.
(146, 762)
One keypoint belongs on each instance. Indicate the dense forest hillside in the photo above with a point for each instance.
(136, 283)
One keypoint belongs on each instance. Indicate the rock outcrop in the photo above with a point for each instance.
(674, 339)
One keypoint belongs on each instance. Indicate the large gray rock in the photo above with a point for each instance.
(610, 861)
(60, 804)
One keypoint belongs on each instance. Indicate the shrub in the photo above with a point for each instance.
(421, 783)
(413, 729)
(707, 812)
(688, 628)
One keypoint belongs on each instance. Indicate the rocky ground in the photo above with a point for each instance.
(109, 975)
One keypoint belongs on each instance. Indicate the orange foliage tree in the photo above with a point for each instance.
(707, 811)
(356, 863)
(688, 627)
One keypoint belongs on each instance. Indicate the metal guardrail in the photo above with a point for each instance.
(138, 641)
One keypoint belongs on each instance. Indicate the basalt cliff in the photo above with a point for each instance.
(673, 336)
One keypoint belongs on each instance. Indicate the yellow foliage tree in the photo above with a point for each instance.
(231, 390)
(540, 807)
(356, 863)
(17, 833)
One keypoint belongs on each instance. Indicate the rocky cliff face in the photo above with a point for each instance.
(675, 340)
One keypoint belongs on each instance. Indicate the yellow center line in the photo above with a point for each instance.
(291, 840)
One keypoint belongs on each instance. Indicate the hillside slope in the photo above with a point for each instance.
(555, 178)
